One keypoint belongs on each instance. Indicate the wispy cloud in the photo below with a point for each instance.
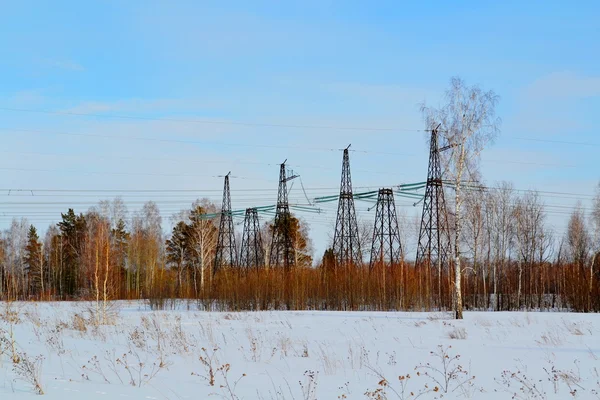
(384, 93)
(564, 85)
(67, 65)
(140, 106)
(550, 105)
(31, 97)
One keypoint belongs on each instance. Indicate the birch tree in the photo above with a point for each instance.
(202, 235)
(578, 238)
(579, 244)
(500, 208)
(468, 123)
(596, 239)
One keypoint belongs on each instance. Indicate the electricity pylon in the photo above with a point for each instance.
(386, 248)
(252, 254)
(346, 244)
(434, 248)
(226, 254)
(282, 246)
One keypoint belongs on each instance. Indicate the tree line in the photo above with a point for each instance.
(511, 259)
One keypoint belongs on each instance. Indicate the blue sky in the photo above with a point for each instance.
(309, 64)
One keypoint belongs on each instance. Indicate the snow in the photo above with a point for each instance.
(272, 355)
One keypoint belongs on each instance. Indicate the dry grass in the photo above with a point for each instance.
(29, 370)
(458, 333)
(483, 322)
(78, 323)
(578, 328)
(551, 338)
(440, 316)
(329, 360)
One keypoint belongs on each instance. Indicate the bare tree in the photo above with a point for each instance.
(596, 215)
(578, 238)
(15, 241)
(365, 236)
(529, 236)
(99, 252)
(596, 239)
(474, 232)
(146, 247)
(596, 223)
(113, 211)
(202, 234)
(579, 244)
(502, 203)
(469, 123)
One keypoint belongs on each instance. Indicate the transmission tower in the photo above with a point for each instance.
(226, 254)
(252, 253)
(386, 248)
(346, 244)
(434, 246)
(282, 248)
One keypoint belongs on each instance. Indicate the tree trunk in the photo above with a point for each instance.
(458, 307)
(591, 286)
(42, 271)
(105, 296)
(519, 285)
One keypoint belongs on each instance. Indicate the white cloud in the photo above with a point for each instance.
(399, 95)
(68, 65)
(139, 106)
(26, 98)
(563, 85)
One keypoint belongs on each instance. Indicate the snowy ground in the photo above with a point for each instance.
(298, 355)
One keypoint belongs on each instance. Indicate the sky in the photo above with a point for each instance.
(107, 98)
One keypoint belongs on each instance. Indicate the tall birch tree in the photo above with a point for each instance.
(468, 123)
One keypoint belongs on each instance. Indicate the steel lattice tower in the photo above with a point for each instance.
(226, 254)
(346, 244)
(252, 254)
(282, 248)
(434, 236)
(434, 248)
(386, 248)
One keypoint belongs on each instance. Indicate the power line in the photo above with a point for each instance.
(272, 189)
(269, 125)
(183, 141)
(213, 122)
(558, 141)
(88, 156)
(413, 155)
(159, 140)
(118, 173)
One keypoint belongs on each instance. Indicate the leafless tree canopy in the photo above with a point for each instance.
(578, 238)
(468, 121)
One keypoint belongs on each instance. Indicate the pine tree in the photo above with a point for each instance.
(120, 245)
(73, 231)
(34, 262)
(177, 248)
(328, 261)
(300, 241)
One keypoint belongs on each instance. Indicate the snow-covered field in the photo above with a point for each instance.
(187, 354)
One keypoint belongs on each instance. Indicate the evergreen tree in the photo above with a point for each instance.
(120, 242)
(328, 261)
(34, 262)
(301, 246)
(177, 248)
(73, 233)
